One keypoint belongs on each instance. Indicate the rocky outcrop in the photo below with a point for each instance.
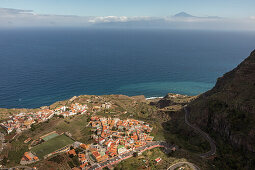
(229, 108)
(173, 99)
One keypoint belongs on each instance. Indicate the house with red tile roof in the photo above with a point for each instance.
(72, 152)
(96, 155)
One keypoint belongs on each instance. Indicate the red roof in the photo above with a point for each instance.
(158, 159)
(83, 165)
(96, 154)
(27, 156)
(72, 152)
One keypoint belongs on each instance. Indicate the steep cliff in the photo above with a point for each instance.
(229, 108)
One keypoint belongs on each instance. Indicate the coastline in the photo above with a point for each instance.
(71, 98)
(74, 97)
(7, 112)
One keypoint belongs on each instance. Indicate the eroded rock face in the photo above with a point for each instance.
(229, 108)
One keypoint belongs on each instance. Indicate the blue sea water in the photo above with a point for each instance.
(41, 66)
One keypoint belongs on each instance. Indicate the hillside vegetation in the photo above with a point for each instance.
(228, 113)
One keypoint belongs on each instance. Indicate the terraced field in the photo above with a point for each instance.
(51, 145)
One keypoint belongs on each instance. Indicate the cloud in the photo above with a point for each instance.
(109, 19)
(28, 18)
(9, 11)
(252, 17)
(192, 19)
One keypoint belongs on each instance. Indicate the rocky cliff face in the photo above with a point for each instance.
(229, 108)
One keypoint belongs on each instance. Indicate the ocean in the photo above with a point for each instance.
(41, 66)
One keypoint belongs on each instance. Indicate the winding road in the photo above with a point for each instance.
(203, 155)
(202, 133)
(20, 167)
(179, 164)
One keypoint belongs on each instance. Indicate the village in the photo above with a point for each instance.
(113, 139)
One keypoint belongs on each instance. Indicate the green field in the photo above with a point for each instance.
(51, 145)
(48, 137)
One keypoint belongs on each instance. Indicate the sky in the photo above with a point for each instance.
(231, 14)
(223, 8)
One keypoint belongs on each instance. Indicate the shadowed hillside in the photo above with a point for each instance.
(229, 108)
(227, 112)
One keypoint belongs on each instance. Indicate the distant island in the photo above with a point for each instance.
(183, 14)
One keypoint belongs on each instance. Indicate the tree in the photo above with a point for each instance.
(77, 150)
(76, 161)
(70, 163)
(32, 127)
(4, 161)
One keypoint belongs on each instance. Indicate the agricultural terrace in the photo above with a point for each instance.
(50, 136)
(51, 145)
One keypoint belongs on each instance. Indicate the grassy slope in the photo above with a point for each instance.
(51, 145)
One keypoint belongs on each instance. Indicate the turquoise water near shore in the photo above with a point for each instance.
(41, 66)
(153, 89)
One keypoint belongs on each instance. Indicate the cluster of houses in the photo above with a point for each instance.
(82, 156)
(74, 109)
(28, 158)
(23, 121)
(115, 137)
(112, 137)
(98, 107)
